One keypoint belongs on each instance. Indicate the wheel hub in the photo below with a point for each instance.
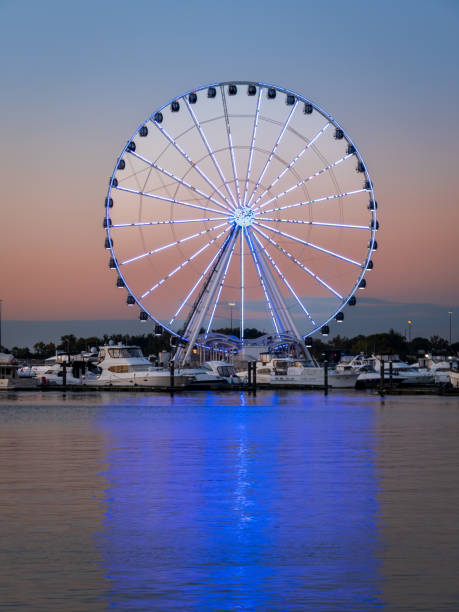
(243, 216)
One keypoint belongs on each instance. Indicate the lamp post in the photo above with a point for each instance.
(1, 322)
(231, 305)
(410, 323)
(450, 315)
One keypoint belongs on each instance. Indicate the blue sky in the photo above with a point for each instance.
(77, 79)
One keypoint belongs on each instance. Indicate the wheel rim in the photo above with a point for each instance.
(279, 173)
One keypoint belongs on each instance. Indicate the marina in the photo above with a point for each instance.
(121, 367)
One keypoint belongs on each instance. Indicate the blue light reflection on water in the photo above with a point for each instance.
(230, 502)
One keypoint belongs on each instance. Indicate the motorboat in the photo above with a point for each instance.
(9, 378)
(438, 366)
(291, 371)
(400, 373)
(441, 372)
(51, 371)
(454, 379)
(36, 371)
(212, 373)
(124, 365)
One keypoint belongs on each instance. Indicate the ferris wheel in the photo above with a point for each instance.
(239, 205)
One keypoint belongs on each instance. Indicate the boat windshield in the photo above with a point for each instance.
(125, 352)
(227, 370)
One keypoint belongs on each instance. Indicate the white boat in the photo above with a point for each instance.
(52, 367)
(54, 375)
(220, 373)
(290, 371)
(441, 371)
(369, 372)
(123, 365)
(29, 371)
(9, 378)
(454, 379)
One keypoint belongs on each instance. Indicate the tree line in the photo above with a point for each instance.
(382, 343)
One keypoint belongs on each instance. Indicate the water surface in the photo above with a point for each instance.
(286, 501)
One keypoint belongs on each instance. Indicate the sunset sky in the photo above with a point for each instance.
(78, 78)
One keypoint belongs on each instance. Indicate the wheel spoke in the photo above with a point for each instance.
(262, 282)
(283, 278)
(306, 180)
(178, 180)
(170, 222)
(271, 155)
(312, 245)
(207, 294)
(252, 144)
(293, 162)
(298, 222)
(241, 335)
(184, 263)
(193, 289)
(324, 199)
(230, 144)
(165, 199)
(219, 291)
(298, 263)
(171, 244)
(211, 153)
(192, 163)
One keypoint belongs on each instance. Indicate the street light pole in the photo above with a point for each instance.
(231, 304)
(410, 323)
(1, 322)
(450, 315)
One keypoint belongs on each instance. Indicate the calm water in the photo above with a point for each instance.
(205, 501)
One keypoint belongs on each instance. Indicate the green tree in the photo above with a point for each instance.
(439, 345)
(419, 344)
(39, 350)
(22, 353)
(68, 344)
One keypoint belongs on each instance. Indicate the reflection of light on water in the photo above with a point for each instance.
(241, 501)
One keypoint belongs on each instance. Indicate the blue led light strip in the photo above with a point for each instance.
(324, 199)
(292, 163)
(184, 263)
(303, 182)
(171, 244)
(192, 163)
(284, 279)
(252, 144)
(211, 153)
(298, 263)
(311, 244)
(262, 282)
(271, 155)
(178, 180)
(165, 199)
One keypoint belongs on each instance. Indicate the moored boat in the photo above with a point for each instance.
(123, 365)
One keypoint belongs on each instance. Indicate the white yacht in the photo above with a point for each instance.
(36, 371)
(220, 373)
(125, 365)
(369, 372)
(52, 367)
(441, 372)
(290, 371)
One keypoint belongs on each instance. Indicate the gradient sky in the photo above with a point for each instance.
(78, 78)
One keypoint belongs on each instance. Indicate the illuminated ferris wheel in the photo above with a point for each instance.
(240, 200)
